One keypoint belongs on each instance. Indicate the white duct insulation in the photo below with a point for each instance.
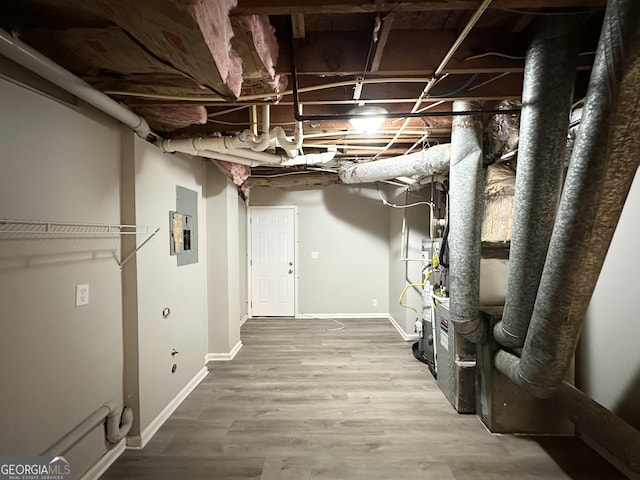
(432, 161)
(34, 61)
(118, 420)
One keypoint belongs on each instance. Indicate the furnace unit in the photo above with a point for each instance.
(456, 362)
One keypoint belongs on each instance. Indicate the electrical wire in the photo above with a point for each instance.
(541, 14)
(427, 274)
(493, 54)
(459, 89)
(393, 205)
(336, 329)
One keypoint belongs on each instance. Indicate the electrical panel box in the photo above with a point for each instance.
(183, 227)
(456, 362)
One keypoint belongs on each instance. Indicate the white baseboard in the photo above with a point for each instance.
(224, 357)
(244, 319)
(407, 337)
(139, 442)
(105, 461)
(341, 316)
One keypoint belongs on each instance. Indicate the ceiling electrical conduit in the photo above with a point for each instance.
(550, 71)
(436, 75)
(414, 111)
(33, 60)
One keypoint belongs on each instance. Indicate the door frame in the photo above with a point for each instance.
(250, 255)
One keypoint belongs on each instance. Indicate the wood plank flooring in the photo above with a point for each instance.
(303, 402)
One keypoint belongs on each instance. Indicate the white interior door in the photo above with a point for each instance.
(273, 256)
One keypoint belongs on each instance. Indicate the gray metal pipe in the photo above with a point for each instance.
(604, 161)
(434, 160)
(466, 177)
(547, 95)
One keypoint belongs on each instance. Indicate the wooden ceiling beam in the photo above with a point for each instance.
(383, 38)
(297, 24)
(287, 7)
(323, 54)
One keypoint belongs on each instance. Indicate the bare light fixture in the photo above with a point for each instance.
(367, 119)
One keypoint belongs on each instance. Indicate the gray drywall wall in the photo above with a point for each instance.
(61, 362)
(161, 283)
(223, 262)
(242, 253)
(402, 272)
(608, 360)
(348, 227)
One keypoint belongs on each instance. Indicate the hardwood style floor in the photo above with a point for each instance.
(302, 401)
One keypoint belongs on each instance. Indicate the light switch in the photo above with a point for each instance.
(82, 295)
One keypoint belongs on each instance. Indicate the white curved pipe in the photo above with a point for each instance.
(119, 423)
(33, 60)
(285, 143)
(117, 428)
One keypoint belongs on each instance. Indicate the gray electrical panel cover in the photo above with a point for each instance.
(187, 216)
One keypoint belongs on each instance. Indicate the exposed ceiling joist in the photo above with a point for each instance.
(287, 7)
(297, 24)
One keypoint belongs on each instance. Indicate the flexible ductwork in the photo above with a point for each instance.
(432, 161)
(604, 161)
(547, 95)
(465, 222)
(33, 60)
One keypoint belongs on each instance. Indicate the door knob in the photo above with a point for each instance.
(291, 264)
(290, 271)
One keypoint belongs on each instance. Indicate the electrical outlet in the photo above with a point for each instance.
(315, 255)
(374, 302)
(82, 295)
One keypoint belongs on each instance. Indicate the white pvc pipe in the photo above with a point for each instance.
(311, 159)
(115, 432)
(33, 60)
(228, 158)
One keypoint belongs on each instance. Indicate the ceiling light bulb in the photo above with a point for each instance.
(367, 119)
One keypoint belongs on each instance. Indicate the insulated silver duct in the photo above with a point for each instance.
(604, 161)
(432, 161)
(550, 70)
(466, 177)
